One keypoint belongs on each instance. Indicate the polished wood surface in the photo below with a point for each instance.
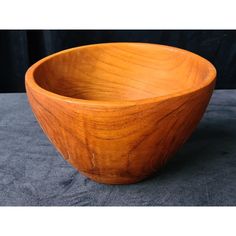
(118, 111)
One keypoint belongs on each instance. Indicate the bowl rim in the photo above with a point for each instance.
(30, 80)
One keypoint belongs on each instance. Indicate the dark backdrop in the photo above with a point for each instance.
(21, 48)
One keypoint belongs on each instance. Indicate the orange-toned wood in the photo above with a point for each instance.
(118, 111)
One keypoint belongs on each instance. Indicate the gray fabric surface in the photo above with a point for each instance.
(202, 173)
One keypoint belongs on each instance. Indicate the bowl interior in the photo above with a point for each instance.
(122, 71)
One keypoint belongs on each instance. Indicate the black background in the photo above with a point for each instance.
(21, 48)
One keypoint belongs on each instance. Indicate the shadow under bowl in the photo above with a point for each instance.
(118, 111)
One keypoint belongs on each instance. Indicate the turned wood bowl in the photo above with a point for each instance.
(118, 111)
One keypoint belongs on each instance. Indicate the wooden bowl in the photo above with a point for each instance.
(118, 111)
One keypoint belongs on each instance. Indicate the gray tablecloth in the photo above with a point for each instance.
(202, 173)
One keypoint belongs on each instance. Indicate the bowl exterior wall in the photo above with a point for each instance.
(119, 144)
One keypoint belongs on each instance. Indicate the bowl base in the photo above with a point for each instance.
(113, 179)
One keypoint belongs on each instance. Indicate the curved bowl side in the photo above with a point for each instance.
(119, 145)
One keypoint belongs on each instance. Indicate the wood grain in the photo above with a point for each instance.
(118, 111)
